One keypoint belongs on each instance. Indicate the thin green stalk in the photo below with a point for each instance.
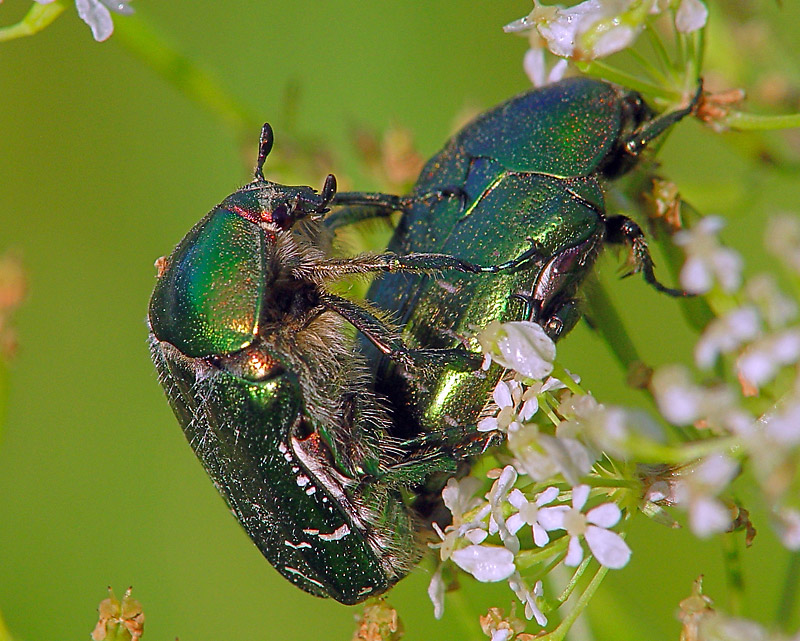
(661, 52)
(563, 375)
(184, 73)
(608, 323)
(742, 121)
(5, 635)
(786, 603)
(39, 16)
(573, 582)
(649, 68)
(561, 631)
(600, 69)
(732, 561)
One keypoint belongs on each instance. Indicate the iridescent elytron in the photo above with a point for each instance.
(279, 405)
(527, 176)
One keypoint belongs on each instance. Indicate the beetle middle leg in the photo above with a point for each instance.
(367, 322)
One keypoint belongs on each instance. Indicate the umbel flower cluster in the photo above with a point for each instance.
(575, 470)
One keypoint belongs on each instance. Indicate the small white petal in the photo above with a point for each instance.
(502, 395)
(607, 547)
(488, 424)
(533, 64)
(605, 515)
(514, 523)
(485, 563)
(501, 635)
(695, 276)
(436, 593)
(788, 527)
(517, 498)
(529, 408)
(691, 16)
(548, 496)
(552, 518)
(574, 552)
(579, 496)
(97, 16)
(540, 536)
(476, 535)
(708, 516)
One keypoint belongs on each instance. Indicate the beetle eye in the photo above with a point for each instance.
(281, 216)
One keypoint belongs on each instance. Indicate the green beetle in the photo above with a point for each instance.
(277, 403)
(526, 178)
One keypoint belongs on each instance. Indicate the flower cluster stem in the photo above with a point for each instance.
(39, 16)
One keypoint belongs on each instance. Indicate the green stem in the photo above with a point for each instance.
(5, 635)
(562, 374)
(573, 582)
(758, 122)
(608, 323)
(184, 73)
(466, 615)
(38, 17)
(563, 628)
(732, 561)
(607, 72)
(789, 593)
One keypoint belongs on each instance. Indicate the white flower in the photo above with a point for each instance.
(598, 28)
(788, 527)
(528, 597)
(759, 363)
(783, 239)
(519, 345)
(607, 547)
(725, 334)
(487, 563)
(97, 14)
(459, 496)
(691, 16)
(706, 259)
(696, 491)
(508, 395)
(533, 62)
(776, 308)
(498, 496)
(682, 402)
(528, 513)
(679, 400)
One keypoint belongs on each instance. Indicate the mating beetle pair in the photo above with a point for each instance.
(280, 407)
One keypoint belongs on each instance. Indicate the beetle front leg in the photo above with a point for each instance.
(363, 205)
(622, 229)
(332, 268)
(366, 321)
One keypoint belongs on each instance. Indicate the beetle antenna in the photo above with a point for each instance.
(264, 147)
(328, 191)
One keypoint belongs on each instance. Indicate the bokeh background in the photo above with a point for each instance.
(104, 165)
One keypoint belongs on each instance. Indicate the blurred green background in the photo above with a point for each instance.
(104, 166)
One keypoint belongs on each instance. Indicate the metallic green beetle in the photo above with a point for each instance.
(279, 406)
(277, 403)
(526, 178)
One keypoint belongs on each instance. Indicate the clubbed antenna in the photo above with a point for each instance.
(264, 147)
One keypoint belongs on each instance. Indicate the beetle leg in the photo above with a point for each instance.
(622, 229)
(331, 268)
(363, 205)
(389, 343)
